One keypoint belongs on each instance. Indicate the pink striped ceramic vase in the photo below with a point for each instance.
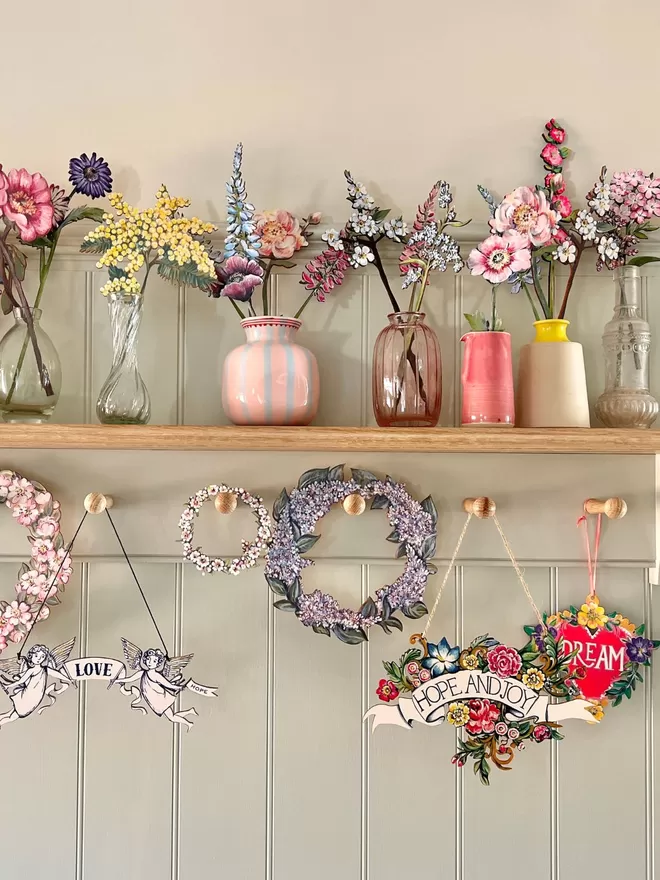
(487, 379)
(270, 380)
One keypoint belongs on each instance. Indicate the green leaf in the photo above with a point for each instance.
(393, 537)
(116, 272)
(285, 264)
(368, 608)
(380, 502)
(381, 214)
(280, 503)
(428, 505)
(641, 235)
(85, 212)
(293, 591)
(276, 585)
(415, 611)
(284, 605)
(642, 261)
(6, 304)
(477, 321)
(336, 472)
(350, 636)
(361, 476)
(98, 246)
(401, 551)
(529, 656)
(188, 274)
(306, 542)
(315, 475)
(427, 549)
(321, 630)
(20, 262)
(640, 630)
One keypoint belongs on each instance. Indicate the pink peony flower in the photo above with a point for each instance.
(499, 256)
(280, 234)
(556, 132)
(555, 182)
(526, 211)
(47, 527)
(563, 205)
(483, 715)
(504, 661)
(551, 155)
(237, 278)
(29, 204)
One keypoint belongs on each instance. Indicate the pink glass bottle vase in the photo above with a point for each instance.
(487, 379)
(270, 379)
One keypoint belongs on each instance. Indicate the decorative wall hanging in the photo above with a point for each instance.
(499, 695)
(49, 566)
(414, 524)
(153, 679)
(605, 650)
(226, 499)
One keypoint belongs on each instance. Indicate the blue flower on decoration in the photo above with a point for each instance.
(442, 658)
(241, 236)
(639, 649)
(90, 176)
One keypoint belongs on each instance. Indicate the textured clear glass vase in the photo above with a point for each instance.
(124, 399)
(626, 401)
(30, 372)
(407, 373)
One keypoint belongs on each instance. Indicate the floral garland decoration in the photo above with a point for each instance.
(414, 531)
(33, 507)
(494, 732)
(595, 671)
(252, 550)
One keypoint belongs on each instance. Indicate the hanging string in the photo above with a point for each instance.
(135, 578)
(592, 562)
(446, 577)
(521, 577)
(50, 585)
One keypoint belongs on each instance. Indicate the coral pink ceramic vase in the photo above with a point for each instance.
(487, 379)
(270, 380)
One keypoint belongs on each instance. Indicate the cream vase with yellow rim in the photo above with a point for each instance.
(552, 384)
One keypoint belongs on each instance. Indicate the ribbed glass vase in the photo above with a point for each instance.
(124, 399)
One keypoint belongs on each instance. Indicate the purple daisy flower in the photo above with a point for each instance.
(639, 649)
(90, 176)
(237, 278)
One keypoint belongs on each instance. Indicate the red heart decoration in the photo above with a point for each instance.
(601, 654)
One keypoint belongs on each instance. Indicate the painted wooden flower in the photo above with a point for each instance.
(442, 658)
(592, 615)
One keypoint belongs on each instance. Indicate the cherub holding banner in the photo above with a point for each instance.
(160, 681)
(27, 680)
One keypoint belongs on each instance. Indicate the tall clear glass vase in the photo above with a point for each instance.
(626, 401)
(124, 399)
(30, 371)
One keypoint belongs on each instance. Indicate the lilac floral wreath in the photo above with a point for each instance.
(33, 507)
(252, 550)
(414, 524)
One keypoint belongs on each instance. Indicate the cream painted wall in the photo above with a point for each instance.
(401, 94)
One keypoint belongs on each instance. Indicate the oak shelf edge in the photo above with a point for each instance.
(340, 439)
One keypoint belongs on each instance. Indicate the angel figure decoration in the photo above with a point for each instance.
(160, 681)
(28, 680)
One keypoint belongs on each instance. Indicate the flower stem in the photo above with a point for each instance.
(551, 289)
(302, 307)
(538, 289)
(493, 294)
(378, 263)
(569, 283)
(242, 316)
(537, 317)
(264, 287)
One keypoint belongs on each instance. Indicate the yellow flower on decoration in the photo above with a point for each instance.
(534, 679)
(592, 616)
(624, 623)
(553, 620)
(468, 660)
(156, 237)
(598, 709)
(458, 714)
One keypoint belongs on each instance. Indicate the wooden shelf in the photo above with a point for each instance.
(191, 437)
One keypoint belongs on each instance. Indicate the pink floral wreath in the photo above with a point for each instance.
(33, 507)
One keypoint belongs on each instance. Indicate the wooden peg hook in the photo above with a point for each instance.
(97, 502)
(225, 502)
(354, 504)
(481, 507)
(613, 508)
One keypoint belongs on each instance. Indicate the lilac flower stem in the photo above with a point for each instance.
(303, 306)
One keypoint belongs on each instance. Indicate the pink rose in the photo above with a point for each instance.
(541, 732)
(483, 715)
(563, 205)
(504, 661)
(551, 155)
(280, 234)
(555, 182)
(556, 132)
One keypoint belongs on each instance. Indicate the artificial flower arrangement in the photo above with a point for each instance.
(256, 243)
(534, 228)
(159, 237)
(428, 247)
(34, 214)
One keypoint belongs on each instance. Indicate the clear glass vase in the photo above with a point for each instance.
(626, 401)
(30, 371)
(124, 399)
(407, 373)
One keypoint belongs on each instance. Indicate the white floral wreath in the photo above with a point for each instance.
(252, 550)
(47, 571)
